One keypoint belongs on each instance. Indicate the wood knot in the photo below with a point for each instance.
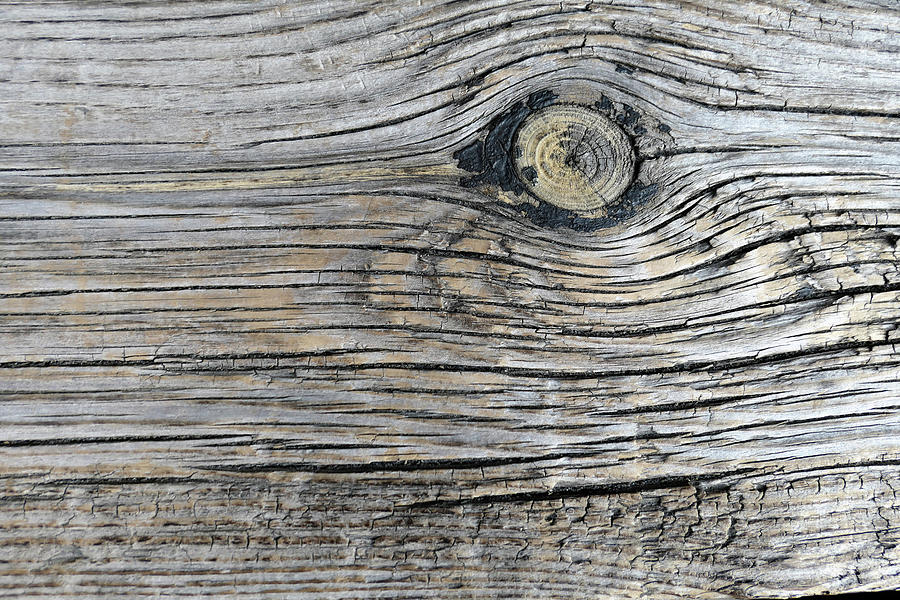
(573, 157)
(563, 163)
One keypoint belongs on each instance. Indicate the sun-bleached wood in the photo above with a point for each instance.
(259, 340)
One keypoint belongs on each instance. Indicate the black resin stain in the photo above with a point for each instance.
(549, 215)
(530, 173)
(491, 158)
(492, 161)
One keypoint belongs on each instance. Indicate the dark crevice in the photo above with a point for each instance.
(580, 491)
(126, 439)
(183, 363)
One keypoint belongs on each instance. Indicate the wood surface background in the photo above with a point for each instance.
(256, 339)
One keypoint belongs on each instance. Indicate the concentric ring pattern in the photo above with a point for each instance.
(573, 157)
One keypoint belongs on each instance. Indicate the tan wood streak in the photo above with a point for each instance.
(260, 179)
(256, 338)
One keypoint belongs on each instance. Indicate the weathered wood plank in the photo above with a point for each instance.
(259, 338)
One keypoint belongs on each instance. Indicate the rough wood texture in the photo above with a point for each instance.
(259, 339)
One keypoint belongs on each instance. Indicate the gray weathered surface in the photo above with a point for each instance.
(257, 339)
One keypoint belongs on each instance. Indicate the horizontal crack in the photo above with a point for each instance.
(602, 489)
